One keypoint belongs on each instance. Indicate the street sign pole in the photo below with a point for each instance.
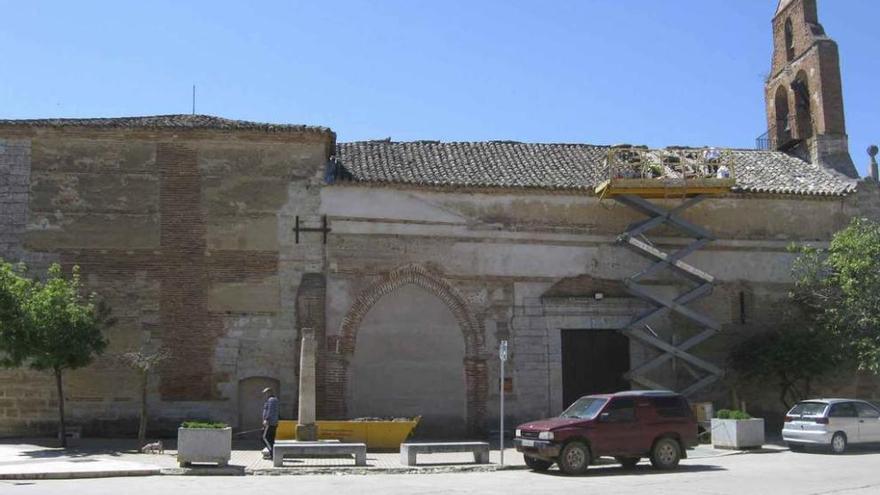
(502, 354)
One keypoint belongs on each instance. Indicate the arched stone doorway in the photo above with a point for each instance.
(408, 362)
(473, 364)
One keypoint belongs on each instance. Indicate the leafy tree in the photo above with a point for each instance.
(49, 325)
(837, 298)
(840, 286)
(144, 362)
(792, 359)
(14, 288)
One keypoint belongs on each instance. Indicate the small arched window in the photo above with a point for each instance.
(789, 41)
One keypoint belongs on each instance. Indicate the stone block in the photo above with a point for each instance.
(242, 233)
(409, 451)
(209, 445)
(293, 449)
(259, 296)
(737, 434)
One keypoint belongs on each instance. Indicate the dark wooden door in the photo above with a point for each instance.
(593, 362)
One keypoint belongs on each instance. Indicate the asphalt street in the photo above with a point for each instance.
(777, 473)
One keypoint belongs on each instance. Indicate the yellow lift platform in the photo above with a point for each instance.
(637, 175)
(668, 173)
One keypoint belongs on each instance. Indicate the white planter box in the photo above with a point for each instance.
(204, 445)
(737, 433)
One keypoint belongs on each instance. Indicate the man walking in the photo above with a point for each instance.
(270, 419)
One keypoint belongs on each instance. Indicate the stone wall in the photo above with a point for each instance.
(188, 236)
(526, 266)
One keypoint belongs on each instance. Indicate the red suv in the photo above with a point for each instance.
(626, 425)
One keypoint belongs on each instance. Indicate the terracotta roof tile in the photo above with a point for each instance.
(556, 166)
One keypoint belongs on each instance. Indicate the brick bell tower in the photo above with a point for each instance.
(804, 95)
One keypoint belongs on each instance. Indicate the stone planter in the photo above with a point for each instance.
(737, 433)
(204, 445)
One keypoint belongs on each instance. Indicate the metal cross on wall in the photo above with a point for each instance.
(703, 372)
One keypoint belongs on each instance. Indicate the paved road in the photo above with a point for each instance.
(776, 473)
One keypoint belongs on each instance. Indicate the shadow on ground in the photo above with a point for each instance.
(852, 450)
(49, 448)
(640, 470)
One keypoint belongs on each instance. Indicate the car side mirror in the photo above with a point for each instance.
(605, 416)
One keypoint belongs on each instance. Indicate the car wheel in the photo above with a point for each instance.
(574, 458)
(665, 454)
(838, 443)
(537, 464)
(628, 462)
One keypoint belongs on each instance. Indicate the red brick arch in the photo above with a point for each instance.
(476, 379)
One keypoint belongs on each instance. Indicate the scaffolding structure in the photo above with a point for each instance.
(636, 177)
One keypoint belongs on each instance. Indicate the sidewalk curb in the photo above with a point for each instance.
(69, 475)
(204, 471)
(360, 471)
(242, 471)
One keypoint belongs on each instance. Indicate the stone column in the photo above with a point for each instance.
(306, 430)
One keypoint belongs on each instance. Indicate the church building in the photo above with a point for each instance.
(603, 267)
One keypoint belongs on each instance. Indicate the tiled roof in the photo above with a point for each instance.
(177, 121)
(557, 166)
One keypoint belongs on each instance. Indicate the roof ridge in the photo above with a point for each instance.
(387, 141)
(174, 120)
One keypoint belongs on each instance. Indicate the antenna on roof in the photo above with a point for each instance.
(194, 99)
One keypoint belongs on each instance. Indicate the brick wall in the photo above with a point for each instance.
(180, 232)
(813, 60)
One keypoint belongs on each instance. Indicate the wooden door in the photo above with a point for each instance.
(593, 362)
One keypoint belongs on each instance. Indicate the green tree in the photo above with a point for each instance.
(14, 288)
(49, 325)
(840, 287)
(837, 304)
(792, 359)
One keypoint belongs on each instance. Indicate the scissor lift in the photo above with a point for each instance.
(637, 176)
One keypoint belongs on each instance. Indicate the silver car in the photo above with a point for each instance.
(831, 423)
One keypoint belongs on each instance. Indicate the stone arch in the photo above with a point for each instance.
(420, 276)
(789, 40)
(802, 108)
(783, 119)
(475, 370)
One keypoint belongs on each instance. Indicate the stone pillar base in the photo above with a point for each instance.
(307, 433)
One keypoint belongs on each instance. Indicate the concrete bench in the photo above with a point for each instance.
(300, 442)
(408, 451)
(293, 449)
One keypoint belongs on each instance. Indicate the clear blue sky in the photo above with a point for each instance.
(656, 72)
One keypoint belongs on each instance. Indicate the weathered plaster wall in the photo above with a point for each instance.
(505, 251)
(188, 236)
(409, 362)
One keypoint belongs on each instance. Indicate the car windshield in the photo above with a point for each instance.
(808, 409)
(584, 408)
